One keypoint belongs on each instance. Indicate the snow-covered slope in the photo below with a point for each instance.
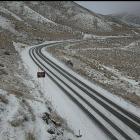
(71, 14)
(79, 18)
(27, 13)
(88, 22)
(35, 16)
(65, 16)
(30, 26)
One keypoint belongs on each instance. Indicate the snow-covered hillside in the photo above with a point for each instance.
(27, 24)
(71, 14)
(7, 25)
(68, 17)
(89, 22)
(6, 11)
(27, 13)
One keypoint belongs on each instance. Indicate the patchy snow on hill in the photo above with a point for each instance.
(90, 21)
(9, 105)
(132, 83)
(132, 45)
(135, 32)
(92, 36)
(15, 6)
(102, 25)
(21, 120)
(21, 9)
(2, 9)
(89, 36)
(35, 16)
(6, 24)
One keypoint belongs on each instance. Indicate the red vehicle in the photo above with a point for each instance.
(41, 74)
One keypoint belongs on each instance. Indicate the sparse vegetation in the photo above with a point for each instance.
(3, 99)
(90, 56)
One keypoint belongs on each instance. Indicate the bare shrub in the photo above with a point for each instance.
(3, 99)
(16, 122)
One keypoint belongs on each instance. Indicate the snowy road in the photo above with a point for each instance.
(114, 120)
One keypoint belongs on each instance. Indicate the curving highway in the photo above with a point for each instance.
(116, 122)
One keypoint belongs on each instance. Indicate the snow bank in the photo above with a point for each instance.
(88, 36)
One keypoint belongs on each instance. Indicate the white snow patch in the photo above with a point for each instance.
(135, 32)
(92, 36)
(88, 36)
